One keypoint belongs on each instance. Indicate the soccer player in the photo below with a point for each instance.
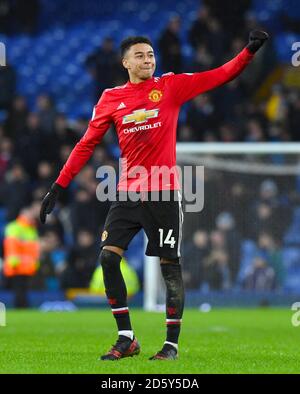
(145, 112)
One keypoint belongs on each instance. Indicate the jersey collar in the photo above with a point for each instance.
(140, 84)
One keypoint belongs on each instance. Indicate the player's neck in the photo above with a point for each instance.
(136, 80)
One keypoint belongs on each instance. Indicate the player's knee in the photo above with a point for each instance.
(163, 260)
(115, 249)
(109, 259)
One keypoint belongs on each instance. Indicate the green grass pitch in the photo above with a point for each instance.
(221, 341)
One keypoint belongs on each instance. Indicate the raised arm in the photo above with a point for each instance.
(189, 85)
(81, 153)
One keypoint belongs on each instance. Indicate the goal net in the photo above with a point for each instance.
(246, 236)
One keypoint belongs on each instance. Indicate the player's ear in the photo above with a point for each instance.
(125, 63)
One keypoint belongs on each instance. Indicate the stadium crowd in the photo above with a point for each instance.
(35, 143)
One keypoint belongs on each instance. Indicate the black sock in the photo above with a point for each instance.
(115, 288)
(171, 273)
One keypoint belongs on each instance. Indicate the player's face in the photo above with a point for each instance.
(140, 61)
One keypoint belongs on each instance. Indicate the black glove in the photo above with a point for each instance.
(49, 201)
(257, 39)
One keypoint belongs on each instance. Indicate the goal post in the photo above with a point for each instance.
(247, 164)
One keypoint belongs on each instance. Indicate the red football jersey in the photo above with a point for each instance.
(145, 115)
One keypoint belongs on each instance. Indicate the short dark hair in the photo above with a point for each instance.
(129, 41)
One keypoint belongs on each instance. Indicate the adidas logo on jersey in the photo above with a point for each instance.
(122, 105)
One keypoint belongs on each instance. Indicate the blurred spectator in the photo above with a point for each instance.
(46, 113)
(170, 47)
(7, 86)
(229, 101)
(201, 115)
(216, 270)
(260, 220)
(17, 116)
(228, 132)
(225, 223)
(53, 262)
(6, 16)
(26, 14)
(104, 65)
(45, 176)
(83, 212)
(14, 191)
(199, 31)
(254, 132)
(268, 192)
(29, 146)
(293, 119)
(64, 134)
(22, 252)
(236, 200)
(203, 59)
(231, 14)
(260, 276)
(276, 108)
(186, 133)
(195, 252)
(6, 151)
(272, 252)
(82, 261)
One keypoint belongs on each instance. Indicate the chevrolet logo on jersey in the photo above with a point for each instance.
(140, 116)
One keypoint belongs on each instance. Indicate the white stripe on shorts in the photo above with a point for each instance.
(180, 220)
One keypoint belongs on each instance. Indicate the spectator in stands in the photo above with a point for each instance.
(199, 31)
(83, 211)
(14, 191)
(22, 252)
(186, 133)
(170, 46)
(231, 14)
(81, 262)
(29, 146)
(260, 276)
(201, 115)
(230, 101)
(6, 16)
(26, 14)
(260, 219)
(45, 175)
(64, 134)
(270, 249)
(293, 118)
(272, 211)
(6, 154)
(7, 86)
(202, 59)
(46, 113)
(228, 132)
(216, 272)
(277, 106)
(53, 262)
(236, 200)
(254, 131)
(195, 252)
(17, 117)
(225, 223)
(105, 67)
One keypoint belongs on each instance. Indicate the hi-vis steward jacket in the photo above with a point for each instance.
(130, 277)
(21, 248)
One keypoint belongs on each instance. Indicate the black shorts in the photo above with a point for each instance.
(161, 221)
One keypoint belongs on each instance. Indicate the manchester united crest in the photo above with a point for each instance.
(104, 235)
(155, 95)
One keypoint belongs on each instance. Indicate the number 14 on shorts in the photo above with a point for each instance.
(168, 240)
